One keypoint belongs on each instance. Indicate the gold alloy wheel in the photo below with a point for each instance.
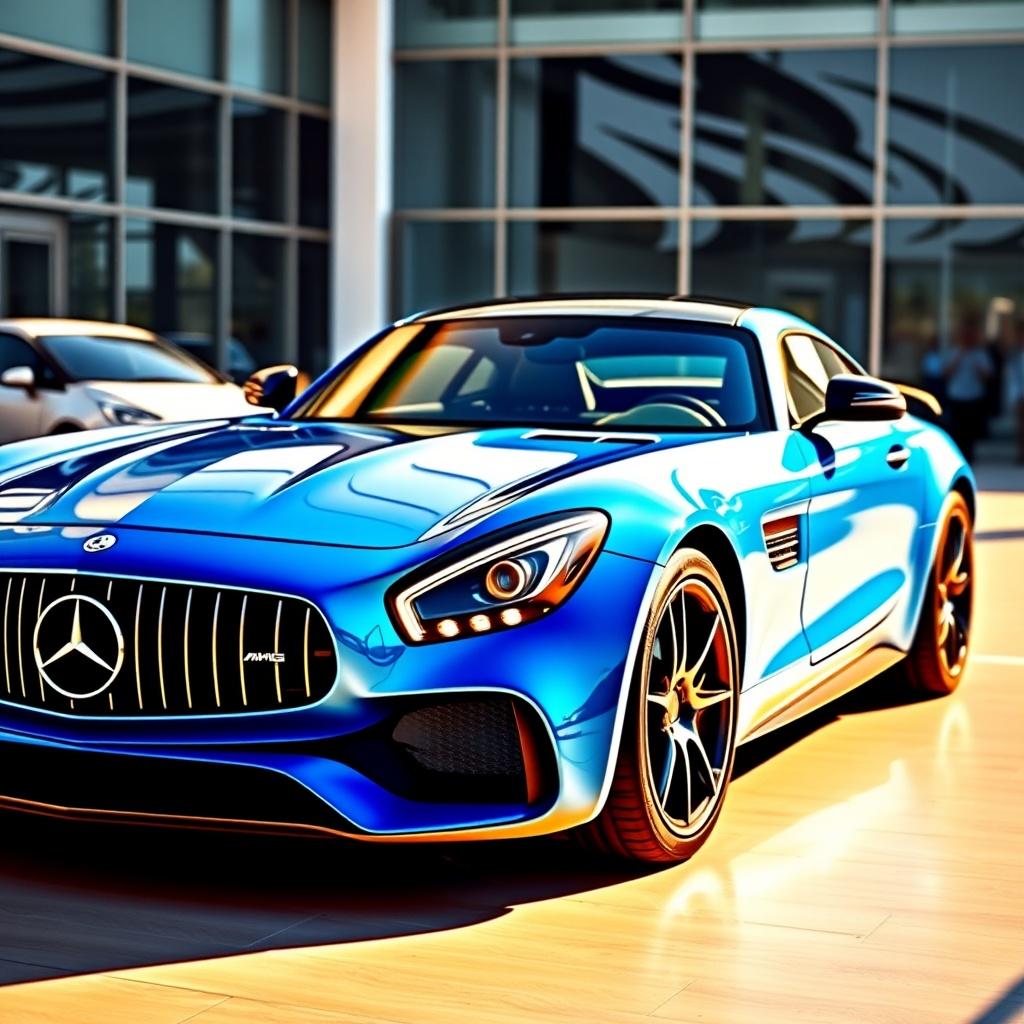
(953, 591)
(690, 707)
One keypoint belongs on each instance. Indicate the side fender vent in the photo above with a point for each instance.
(782, 540)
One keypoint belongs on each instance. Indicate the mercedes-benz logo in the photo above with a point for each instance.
(73, 666)
(100, 543)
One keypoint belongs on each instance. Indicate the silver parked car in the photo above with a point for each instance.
(58, 376)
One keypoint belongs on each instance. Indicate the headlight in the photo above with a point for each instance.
(121, 414)
(502, 585)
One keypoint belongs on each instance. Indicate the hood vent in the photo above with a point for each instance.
(782, 540)
(18, 502)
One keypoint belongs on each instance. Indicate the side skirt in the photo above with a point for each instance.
(871, 663)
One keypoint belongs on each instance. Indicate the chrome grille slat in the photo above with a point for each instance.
(188, 682)
(160, 648)
(39, 612)
(138, 674)
(7, 604)
(241, 652)
(305, 652)
(179, 643)
(21, 663)
(277, 647)
(216, 681)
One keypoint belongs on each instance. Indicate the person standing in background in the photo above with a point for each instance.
(933, 370)
(1015, 384)
(998, 346)
(968, 372)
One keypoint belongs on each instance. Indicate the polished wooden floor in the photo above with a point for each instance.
(868, 867)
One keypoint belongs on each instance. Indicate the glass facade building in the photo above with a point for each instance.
(860, 162)
(168, 164)
(190, 166)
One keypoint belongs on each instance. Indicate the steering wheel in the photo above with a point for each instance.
(714, 417)
(695, 411)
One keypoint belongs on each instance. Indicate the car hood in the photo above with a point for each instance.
(175, 402)
(336, 484)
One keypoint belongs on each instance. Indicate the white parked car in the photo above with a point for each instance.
(58, 376)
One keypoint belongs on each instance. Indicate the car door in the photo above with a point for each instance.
(21, 411)
(865, 501)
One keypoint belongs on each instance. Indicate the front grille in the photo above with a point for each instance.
(185, 649)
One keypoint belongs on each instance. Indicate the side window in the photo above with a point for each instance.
(806, 376)
(833, 360)
(15, 352)
(810, 365)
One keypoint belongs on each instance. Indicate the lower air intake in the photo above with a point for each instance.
(478, 738)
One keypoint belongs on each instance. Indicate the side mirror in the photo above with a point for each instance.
(20, 377)
(851, 398)
(273, 386)
(922, 404)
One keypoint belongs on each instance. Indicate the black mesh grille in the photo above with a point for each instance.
(186, 649)
(464, 738)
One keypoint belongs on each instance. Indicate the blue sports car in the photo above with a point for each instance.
(506, 570)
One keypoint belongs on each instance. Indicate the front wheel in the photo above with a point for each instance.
(937, 660)
(676, 754)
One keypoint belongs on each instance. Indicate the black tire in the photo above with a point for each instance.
(935, 663)
(637, 821)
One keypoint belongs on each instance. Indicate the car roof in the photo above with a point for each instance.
(684, 307)
(45, 327)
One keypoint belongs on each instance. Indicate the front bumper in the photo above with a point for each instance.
(318, 767)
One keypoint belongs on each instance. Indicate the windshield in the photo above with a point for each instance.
(125, 359)
(575, 372)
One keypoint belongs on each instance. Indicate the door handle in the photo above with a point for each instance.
(897, 457)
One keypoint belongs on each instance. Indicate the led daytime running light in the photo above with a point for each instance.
(517, 591)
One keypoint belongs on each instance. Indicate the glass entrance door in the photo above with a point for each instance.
(31, 264)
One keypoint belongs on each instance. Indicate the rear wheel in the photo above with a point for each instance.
(938, 657)
(678, 741)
